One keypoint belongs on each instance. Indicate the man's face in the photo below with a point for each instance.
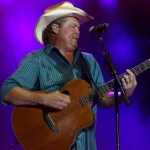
(68, 33)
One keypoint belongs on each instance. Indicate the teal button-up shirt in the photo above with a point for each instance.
(47, 70)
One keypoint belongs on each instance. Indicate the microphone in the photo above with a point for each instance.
(100, 28)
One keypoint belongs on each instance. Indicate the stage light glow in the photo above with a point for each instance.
(108, 3)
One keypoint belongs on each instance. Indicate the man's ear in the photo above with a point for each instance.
(55, 28)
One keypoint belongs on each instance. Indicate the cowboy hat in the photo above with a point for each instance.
(52, 13)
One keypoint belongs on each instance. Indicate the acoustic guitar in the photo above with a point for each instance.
(46, 129)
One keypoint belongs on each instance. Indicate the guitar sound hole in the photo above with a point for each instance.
(66, 92)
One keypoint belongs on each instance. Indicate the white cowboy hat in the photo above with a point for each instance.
(63, 9)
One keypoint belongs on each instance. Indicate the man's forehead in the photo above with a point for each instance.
(74, 20)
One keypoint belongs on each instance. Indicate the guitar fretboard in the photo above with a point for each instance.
(88, 98)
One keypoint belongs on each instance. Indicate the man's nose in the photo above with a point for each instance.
(77, 30)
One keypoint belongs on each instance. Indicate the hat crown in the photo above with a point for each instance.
(60, 5)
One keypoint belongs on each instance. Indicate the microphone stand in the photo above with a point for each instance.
(117, 85)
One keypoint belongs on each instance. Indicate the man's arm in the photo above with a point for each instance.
(19, 97)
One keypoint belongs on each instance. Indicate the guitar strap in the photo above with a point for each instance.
(86, 69)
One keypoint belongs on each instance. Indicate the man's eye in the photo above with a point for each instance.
(73, 26)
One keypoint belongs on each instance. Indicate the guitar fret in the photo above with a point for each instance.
(83, 101)
(145, 66)
(103, 90)
(86, 100)
(136, 71)
(139, 70)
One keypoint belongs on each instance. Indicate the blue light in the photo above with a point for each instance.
(108, 3)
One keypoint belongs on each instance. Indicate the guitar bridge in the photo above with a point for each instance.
(50, 122)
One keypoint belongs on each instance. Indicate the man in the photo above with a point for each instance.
(51, 67)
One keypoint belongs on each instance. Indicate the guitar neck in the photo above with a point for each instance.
(136, 70)
(110, 85)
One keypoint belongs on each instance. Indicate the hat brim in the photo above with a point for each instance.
(51, 16)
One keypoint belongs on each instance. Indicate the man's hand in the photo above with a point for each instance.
(129, 82)
(56, 100)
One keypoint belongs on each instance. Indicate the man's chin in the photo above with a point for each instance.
(72, 46)
(75, 45)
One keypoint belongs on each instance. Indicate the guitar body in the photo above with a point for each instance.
(32, 131)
